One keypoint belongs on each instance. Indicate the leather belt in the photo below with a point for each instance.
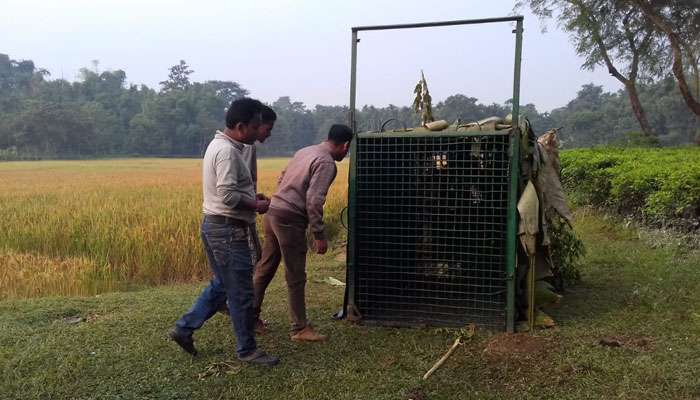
(220, 219)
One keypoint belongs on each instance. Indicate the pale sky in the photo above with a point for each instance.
(301, 48)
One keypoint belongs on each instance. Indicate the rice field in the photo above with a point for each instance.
(87, 227)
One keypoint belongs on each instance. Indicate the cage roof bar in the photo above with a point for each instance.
(439, 23)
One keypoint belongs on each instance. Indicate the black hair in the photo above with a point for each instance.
(340, 134)
(268, 114)
(244, 110)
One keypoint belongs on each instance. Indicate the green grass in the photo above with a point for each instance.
(630, 291)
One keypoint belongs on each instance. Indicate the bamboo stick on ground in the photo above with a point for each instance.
(442, 360)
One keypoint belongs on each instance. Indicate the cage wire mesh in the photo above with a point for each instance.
(431, 229)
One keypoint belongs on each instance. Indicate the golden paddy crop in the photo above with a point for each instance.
(85, 227)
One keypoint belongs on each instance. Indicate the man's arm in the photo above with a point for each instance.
(227, 179)
(227, 182)
(322, 176)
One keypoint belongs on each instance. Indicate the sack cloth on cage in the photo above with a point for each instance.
(548, 182)
(484, 125)
(529, 210)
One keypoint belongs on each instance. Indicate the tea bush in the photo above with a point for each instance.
(659, 186)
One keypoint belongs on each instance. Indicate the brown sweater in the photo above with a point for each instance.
(303, 185)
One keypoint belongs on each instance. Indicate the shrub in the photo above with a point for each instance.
(658, 186)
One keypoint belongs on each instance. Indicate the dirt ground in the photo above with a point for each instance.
(518, 346)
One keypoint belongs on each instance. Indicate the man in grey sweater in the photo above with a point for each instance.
(229, 207)
(249, 154)
(298, 203)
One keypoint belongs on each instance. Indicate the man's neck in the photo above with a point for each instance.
(234, 135)
(329, 147)
(231, 134)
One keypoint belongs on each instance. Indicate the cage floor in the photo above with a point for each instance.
(428, 317)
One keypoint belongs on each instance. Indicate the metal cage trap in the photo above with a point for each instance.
(432, 219)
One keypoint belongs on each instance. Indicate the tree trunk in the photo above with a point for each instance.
(630, 81)
(680, 77)
(696, 77)
(675, 41)
(637, 108)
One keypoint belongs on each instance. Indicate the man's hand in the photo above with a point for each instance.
(262, 205)
(321, 246)
(261, 196)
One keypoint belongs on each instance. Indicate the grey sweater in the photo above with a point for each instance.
(226, 179)
(303, 186)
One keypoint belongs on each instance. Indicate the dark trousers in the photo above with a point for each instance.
(229, 256)
(285, 240)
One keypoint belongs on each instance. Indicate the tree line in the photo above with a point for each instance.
(100, 115)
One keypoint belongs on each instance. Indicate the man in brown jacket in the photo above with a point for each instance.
(298, 203)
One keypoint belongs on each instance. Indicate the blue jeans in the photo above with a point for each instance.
(230, 260)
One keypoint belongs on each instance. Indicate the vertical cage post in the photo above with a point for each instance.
(353, 80)
(351, 270)
(516, 71)
(514, 176)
